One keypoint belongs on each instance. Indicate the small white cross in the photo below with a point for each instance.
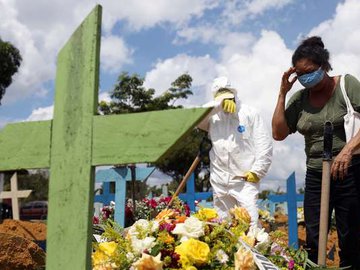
(14, 194)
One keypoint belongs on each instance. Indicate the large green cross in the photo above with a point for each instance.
(77, 140)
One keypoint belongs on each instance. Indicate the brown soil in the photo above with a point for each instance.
(17, 249)
(29, 230)
(18, 253)
(281, 224)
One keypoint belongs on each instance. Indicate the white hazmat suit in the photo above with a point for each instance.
(240, 144)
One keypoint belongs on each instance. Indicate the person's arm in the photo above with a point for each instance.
(342, 161)
(204, 124)
(280, 128)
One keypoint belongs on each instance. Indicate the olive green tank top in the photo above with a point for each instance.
(309, 121)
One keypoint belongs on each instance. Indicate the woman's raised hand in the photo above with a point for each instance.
(285, 83)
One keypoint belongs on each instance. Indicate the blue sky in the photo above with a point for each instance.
(249, 41)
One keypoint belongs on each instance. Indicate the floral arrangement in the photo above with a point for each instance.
(176, 240)
(148, 208)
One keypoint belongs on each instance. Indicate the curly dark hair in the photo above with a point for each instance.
(313, 49)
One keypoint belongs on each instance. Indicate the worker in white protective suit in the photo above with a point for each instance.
(241, 151)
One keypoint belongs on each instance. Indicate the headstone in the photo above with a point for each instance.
(97, 209)
(165, 191)
(14, 194)
(291, 197)
(78, 139)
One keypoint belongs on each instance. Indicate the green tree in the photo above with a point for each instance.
(129, 95)
(10, 60)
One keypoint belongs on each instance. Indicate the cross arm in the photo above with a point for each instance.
(25, 145)
(141, 137)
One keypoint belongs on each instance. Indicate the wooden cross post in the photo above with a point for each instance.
(291, 197)
(14, 194)
(78, 139)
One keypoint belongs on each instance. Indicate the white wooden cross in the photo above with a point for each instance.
(14, 194)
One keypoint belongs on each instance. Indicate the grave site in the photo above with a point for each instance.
(81, 230)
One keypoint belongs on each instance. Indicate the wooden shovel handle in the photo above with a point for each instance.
(186, 177)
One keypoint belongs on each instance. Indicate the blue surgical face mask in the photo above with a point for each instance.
(309, 80)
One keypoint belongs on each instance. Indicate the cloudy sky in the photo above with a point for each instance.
(250, 41)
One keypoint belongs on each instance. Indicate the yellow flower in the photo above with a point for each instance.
(241, 214)
(148, 262)
(244, 260)
(108, 248)
(101, 258)
(250, 240)
(98, 257)
(165, 237)
(207, 214)
(191, 268)
(193, 252)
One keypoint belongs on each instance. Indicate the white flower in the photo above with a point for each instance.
(140, 245)
(130, 256)
(112, 203)
(191, 228)
(142, 228)
(260, 235)
(221, 256)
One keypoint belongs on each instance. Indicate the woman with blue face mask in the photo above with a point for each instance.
(307, 110)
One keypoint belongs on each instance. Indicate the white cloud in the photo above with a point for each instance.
(144, 14)
(341, 36)
(39, 114)
(105, 96)
(201, 68)
(259, 6)
(114, 54)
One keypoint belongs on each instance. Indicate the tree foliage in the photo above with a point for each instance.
(10, 60)
(129, 95)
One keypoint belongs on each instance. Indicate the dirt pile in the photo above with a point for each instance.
(29, 230)
(17, 248)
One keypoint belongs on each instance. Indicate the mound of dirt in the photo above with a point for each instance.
(18, 251)
(29, 230)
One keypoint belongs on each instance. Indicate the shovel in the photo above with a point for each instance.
(325, 193)
(205, 147)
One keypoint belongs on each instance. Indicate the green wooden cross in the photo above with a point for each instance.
(77, 140)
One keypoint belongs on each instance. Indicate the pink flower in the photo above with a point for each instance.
(291, 265)
(167, 226)
(95, 220)
(152, 203)
(187, 210)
